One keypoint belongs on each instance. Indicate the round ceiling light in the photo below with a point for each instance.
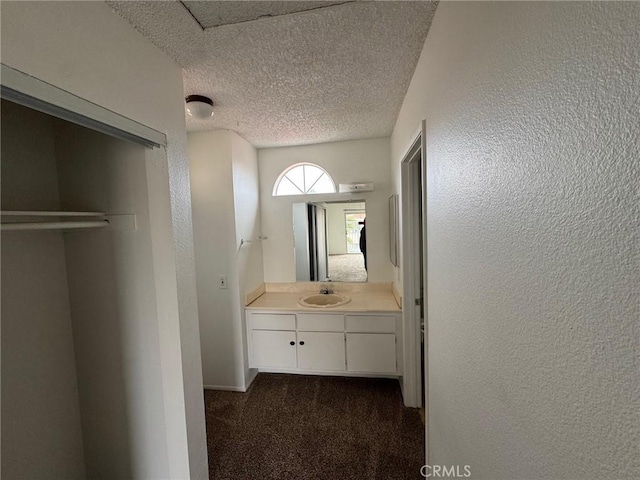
(199, 106)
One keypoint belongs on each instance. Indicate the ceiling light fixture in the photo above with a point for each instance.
(199, 106)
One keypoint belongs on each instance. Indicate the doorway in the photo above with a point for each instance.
(414, 273)
(353, 221)
(346, 259)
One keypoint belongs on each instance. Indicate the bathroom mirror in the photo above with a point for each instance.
(328, 238)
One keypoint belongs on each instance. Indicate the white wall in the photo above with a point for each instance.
(86, 49)
(224, 188)
(113, 307)
(246, 197)
(533, 236)
(40, 403)
(347, 162)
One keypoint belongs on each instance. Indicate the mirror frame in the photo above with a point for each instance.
(393, 229)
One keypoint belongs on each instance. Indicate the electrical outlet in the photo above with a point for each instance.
(222, 281)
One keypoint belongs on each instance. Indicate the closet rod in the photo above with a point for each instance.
(53, 225)
(36, 213)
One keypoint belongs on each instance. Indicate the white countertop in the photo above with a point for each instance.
(363, 299)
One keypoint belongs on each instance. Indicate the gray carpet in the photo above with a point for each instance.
(309, 427)
(347, 268)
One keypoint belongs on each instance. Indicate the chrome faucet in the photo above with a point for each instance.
(325, 291)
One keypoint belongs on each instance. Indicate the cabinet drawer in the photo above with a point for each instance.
(371, 324)
(272, 321)
(318, 322)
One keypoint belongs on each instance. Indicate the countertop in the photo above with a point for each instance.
(364, 298)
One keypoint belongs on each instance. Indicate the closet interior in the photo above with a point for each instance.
(81, 377)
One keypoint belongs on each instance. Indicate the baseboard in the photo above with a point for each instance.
(330, 373)
(225, 388)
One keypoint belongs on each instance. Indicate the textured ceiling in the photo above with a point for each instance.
(214, 14)
(332, 73)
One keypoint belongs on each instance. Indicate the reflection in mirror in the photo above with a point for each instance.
(330, 241)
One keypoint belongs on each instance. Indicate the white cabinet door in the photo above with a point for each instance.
(321, 351)
(371, 352)
(273, 349)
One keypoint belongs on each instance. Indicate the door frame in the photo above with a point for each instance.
(29, 91)
(413, 199)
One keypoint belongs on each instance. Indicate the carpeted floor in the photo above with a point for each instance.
(347, 268)
(296, 427)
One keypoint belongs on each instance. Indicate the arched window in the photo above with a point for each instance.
(303, 179)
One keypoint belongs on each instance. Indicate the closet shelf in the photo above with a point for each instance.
(120, 222)
(37, 213)
(53, 225)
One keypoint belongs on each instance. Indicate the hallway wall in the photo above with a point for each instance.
(226, 209)
(533, 236)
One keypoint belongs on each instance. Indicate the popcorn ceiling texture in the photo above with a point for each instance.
(533, 153)
(323, 75)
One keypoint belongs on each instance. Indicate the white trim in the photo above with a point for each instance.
(30, 226)
(329, 373)
(414, 138)
(412, 378)
(41, 213)
(31, 92)
(296, 165)
(225, 388)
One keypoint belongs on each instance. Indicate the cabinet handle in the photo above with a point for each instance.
(292, 343)
(301, 343)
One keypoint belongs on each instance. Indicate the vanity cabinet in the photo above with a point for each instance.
(273, 340)
(329, 343)
(371, 352)
(321, 351)
(371, 343)
(273, 349)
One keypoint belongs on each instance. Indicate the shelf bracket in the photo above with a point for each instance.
(121, 223)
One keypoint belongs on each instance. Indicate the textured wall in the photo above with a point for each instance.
(246, 202)
(533, 236)
(224, 189)
(249, 258)
(214, 236)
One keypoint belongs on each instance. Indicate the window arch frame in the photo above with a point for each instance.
(306, 191)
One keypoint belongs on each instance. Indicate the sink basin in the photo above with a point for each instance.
(321, 300)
